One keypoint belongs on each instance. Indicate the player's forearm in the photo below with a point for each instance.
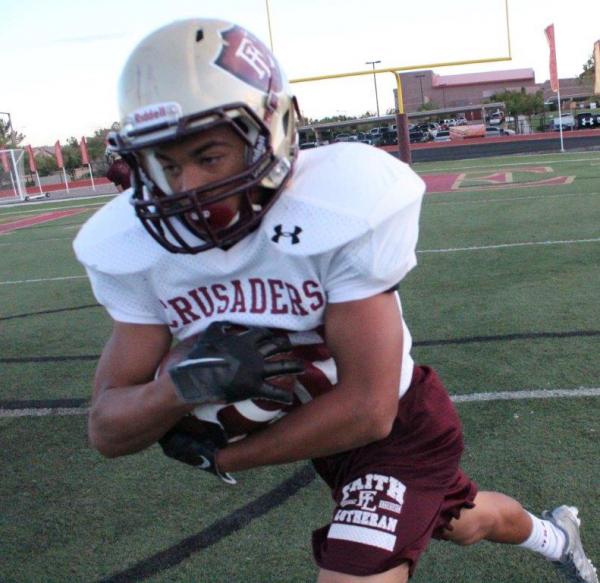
(125, 420)
(335, 422)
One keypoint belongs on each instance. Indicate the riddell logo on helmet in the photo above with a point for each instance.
(156, 112)
(149, 115)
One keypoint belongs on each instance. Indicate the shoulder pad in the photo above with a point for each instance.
(114, 241)
(337, 194)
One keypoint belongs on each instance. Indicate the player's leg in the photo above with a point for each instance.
(499, 518)
(495, 517)
(397, 575)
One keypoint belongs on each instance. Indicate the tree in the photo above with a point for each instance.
(589, 69)
(8, 138)
(97, 145)
(429, 106)
(333, 119)
(71, 156)
(46, 165)
(520, 102)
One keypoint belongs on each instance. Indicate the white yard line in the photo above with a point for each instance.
(432, 200)
(43, 279)
(470, 398)
(507, 245)
(529, 394)
(448, 250)
(46, 412)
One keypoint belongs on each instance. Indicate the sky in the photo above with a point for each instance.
(59, 78)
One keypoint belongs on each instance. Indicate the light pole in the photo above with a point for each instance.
(420, 78)
(373, 63)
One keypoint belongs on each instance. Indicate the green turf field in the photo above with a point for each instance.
(505, 299)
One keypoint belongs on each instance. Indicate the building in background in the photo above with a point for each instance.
(426, 89)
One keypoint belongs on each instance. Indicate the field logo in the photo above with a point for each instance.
(527, 178)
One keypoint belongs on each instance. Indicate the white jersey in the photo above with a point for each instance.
(344, 228)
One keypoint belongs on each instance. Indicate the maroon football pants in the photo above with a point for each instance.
(392, 496)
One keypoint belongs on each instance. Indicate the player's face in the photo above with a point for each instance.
(198, 161)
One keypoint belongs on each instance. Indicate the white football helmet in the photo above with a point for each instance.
(187, 77)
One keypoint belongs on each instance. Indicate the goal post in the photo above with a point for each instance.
(12, 175)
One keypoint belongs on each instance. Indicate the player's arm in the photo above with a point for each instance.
(131, 410)
(365, 338)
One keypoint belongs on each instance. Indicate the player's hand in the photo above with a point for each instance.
(197, 451)
(229, 364)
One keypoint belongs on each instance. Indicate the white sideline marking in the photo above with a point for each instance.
(58, 208)
(55, 201)
(44, 279)
(471, 398)
(449, 250)
(506, 245)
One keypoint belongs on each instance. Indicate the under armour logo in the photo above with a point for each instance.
(279, 232)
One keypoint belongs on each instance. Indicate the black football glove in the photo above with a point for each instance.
(197, 451)
(228, 364)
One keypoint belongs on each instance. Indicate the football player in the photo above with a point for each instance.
(227, 222)
(118, 170)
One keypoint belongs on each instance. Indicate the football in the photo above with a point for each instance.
(244, 417)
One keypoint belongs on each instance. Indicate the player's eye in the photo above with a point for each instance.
(171, 170)
(209, 159)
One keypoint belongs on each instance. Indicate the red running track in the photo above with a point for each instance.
(43, 218)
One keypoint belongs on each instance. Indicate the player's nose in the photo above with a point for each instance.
(192, 177)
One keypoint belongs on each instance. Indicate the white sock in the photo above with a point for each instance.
(545, 538)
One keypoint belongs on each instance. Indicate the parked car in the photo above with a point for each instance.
(377, 131)
(346, 138)
(433, 128)
(417, 136)
(307, 145)
(442, 136)
(388, 137)
(429, 129)
(496, 118)
(567, 122)
(493, 131)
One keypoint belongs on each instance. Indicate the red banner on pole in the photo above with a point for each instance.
(4, 157)
(58, 155)
(553, 68)
(85, 158)
(32, 165)
(597, 67)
